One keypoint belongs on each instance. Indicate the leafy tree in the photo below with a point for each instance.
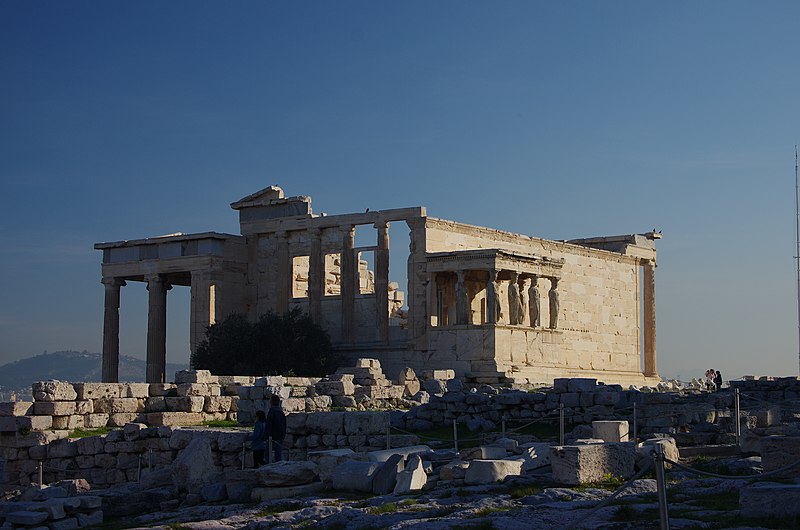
(275, 344)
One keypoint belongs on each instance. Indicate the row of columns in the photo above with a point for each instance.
(518, 304)
(349, 279)
(204, 304)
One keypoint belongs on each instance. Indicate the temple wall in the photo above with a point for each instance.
(599, 292)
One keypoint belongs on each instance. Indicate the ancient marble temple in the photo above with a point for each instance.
(491, 305)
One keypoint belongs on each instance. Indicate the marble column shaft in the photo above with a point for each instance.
(382, 281)
(157, 329)
(316, 275)
(349, 279)
(649, 310)
(283, 273)
(492, 301)
(462, 300)
(111, 329)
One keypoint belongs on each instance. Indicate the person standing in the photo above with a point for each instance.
(276, 427)
(258, 438)
(718, 380)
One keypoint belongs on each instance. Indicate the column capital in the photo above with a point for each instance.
(381, 224)
(155, 279)
(110, 281)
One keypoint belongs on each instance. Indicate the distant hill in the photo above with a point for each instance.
(70, 366)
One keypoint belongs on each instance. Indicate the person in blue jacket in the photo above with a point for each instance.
(276, 426)
(259, 438)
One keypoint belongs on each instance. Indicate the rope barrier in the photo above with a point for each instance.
(748, 478)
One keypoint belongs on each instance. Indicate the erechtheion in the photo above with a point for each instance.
(490, 305)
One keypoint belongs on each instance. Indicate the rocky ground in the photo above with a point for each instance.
(530, 501)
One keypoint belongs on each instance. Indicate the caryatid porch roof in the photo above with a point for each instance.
(497, 259)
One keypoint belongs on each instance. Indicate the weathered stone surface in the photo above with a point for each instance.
(580, 464)
(22, 423)
(366, 423)
(454, 470)
(610, 431)
(25, 517)
(194, 466)
(174, 418)
(93, 421)
(412, 478)
(483, 452)
(336, 388)
(185, 404)
(490, 471)
(217, 404)
(534, 455)
(780, 451)
(94, 518)
(385, 478)
(120, 419)
(97, 390)
(15, 408)
(231, 441)
(288, 492)
(325, 422)
(195, 376)
(352, 475)
(135, 390)
(162, 389)
(53, 391)
(644, 451)
(770, 500)
(287, 473)
(384, 454)
(214, 492)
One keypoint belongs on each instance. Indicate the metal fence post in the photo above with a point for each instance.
(139, 468)
(738, 425)
(635, 437)
(661, 484)
(150, 460)
(41, 474)
(388, 431)
(561, 424)
(269, 448)
(504, 426)
(244, 444)
(455, 435)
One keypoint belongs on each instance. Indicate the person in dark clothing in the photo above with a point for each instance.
(276, 427)
(718, 380)
(259, 439)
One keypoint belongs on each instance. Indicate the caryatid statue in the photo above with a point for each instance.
(533, 303)
(515, 311)
(553, 303)
(493, 312)
(462, 302)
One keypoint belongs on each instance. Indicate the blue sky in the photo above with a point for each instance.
(121, 120)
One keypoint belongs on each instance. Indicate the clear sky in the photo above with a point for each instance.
(122, 120)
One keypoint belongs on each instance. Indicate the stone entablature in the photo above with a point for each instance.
(552, 305)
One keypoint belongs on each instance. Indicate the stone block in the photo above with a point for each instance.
(336, 388)
(125, 405)
(412, 478)
(163, 389)
(385, 479)
(155, 404)
(270, 381)
(490, 471)
(85, 406)
(119, 419)
(582, 384)
(434, 386)
(289, 492)
(442, 375)
(769, 500)
(97, 390)
(780, 451)
(194, 389)
(135, 390)
(15, 408)
(69, 423)
(174, 419)
(352, 475)
(90, 445)
(214, 492)
(185, 404)
(366, 423)
(581, 464)
(96, 420)
(611, 431)
(231, 441)
(195, 376)
(455, 470)
(292, 405)
(368, 363)
(54, 408)
(92, 519)
(484, 452)
(194, 466)
(325, 422)
(70, 523)
(286, 473)
(26, 517)
(53, 391)
(217, 404)
(385, 454)
(534, 455)
(25, 423)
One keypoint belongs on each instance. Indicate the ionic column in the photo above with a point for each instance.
(111, 330)
(206, 303)
(649, 310)
(348, 277)
(283, 273)
(316, 275)
(157, 329)
(462, 300)
(492, 300)
(382, 281)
